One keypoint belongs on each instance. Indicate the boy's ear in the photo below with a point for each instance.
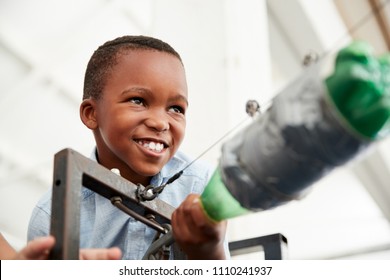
(88, 113)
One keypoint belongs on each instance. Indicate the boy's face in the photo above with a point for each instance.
(141, 115)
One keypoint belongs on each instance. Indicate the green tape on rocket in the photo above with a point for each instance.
(217, 201)
(360, 89)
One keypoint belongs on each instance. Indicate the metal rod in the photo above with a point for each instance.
(117, 202)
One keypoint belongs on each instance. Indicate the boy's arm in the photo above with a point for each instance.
(6, 250)
(37, 249)
(195, 233)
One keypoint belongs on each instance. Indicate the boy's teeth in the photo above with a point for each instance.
(153, 146)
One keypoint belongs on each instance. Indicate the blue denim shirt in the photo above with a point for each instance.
(102, 225)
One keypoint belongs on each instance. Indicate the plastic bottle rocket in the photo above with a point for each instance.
(312, 127)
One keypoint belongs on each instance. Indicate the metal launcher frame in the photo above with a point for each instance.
(72, 171)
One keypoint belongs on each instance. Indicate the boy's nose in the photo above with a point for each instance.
(157, 122)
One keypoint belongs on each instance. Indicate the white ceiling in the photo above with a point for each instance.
(45, 45)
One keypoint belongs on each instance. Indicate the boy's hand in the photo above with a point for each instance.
(195, 233)
(113, 253)
(39, 249)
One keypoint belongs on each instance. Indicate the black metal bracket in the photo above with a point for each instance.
(273, 245)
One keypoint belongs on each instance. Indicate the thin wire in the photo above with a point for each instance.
(265, 105)
(216, 142)
(144, 194)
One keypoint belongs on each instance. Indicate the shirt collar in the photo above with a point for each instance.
(173, 166)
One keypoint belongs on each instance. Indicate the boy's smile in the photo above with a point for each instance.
(140, 118)
(156, 146)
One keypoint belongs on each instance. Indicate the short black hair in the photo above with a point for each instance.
(106, 57)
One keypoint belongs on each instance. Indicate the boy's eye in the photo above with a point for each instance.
(136, 100)
(177, 109)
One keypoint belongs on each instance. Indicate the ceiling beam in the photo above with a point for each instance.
(378, 7)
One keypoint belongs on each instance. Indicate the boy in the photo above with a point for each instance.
(135, 100)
